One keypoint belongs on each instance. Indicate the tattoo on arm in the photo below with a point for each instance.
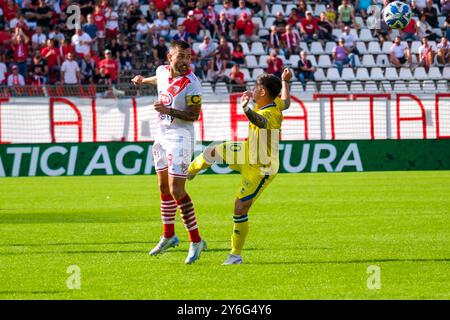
(190, 114)
(255, 118)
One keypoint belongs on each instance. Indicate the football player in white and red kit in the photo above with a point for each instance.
(178, 106)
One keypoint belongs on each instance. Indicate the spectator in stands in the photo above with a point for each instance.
(228, 10)
(162, 4)
(87, 7)
(82, 42)
(242, 8)
(38, 39)
(3, 69)
(280, 23)
(70, 71)
(342, 57)
(182, 34)
(29, 12)
(443, 51)
(309, 27)
(160, 52)
(325, 29)
(100, 22)
(424, 29)
(275, 64)
(346, 16)
(350, 41)
(6, 39)
(206, 52)
(162, 25)
(20, 51)
(301, 9)
(199, 13)
(331, 14)
(111, 65)
(193, 26)
(427, 52)
(237, 55)
(211, 21)
(19, 22)
(294, 17)
(15, 78)
(92, 30)
(447, 27)
(56, 35)
(290, 41)
(38, 71)
(224, 28)
(416, 11)
(88, 69)
(133, 14)
(112, 22)
(274, 41)
(305, 69)
(362, 6)
(66, 47)
(257, 6)
(445, 7)
(399, 53)
(142, 30)
(126, 56)
(216, 70)
(225, 52)
(236, 79)
(52, 57)
(246, 29)
(431, 14)
(43, 15)
(103, 79)
(410, 31)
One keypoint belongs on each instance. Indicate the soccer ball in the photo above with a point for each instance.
(397, 15)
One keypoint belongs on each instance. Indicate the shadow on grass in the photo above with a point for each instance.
(30, 292)
(149, 242)
(349, 261)
(31, 218)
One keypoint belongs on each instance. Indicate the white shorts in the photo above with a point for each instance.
(174, 154)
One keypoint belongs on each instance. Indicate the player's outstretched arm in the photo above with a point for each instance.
(255, 118)
(137, 80)
(285, 95)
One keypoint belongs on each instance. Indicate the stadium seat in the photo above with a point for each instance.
(195, 46)
(277, 8)
(386, 86)
(263, 32)
(348, 74)
(400, 86)
(371, 86)
(144, 9)
(446, 73)
(316, 48)
(206, 88)
(361, 46)
(366, 35)
(293, 60)
(374, 47)
(391, 74)
(258, 22)
(333, 74)
(329, 46)
(360, 22)
(311, 87)
(245, 48)
(357, 61)
(263, 61)
(442, 86)
(319, 75)
(258, 49)
(376, 74)
(362, 74)
(414, 86)
(256, 73)
(356, 87)
(289, 8)
(337, 33)
(269, 22)
(386, 49)
(180, 20)
(221, 88)
(313, 60)
(428, 86)
(324, 61)
(341, 87)
(250, 62)
(420, 74)
(441, 21)
(405, 74)
(368, 61)
(318, 9)
(383, 60)
(247, 76)
(415, 47)
(434, 73)
(304, 46)
(218, 7)
(326, 87)
(296, 88)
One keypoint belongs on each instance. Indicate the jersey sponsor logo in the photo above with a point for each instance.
(178, 86)
(194, 100)
(166, 98)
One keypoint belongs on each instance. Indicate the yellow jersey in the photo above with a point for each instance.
(263, 142)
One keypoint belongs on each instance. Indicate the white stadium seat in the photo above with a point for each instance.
(366, 35)
(333, 74)
(415, 47)
(368, 61)
(250, 62)
(400, 86)
(311, 87)
(245, 48)
(420, 74)
(442, 86)
(361, 46)
(319, 75)
(348, 74)
(313, 60)
(269, 22)
(414, 86)
(329, 46)
(258, 49)
(383, 60)
(362, 74)
(304, 46)
(326, 87)
(337, 33)
(374, 47)
(428, 86)
(325, 61)
(276, 8)
(316, 48)
(258, 21)
(446, 73)
(371, 86)
(247, 76)
(318, 9)
(257, 72)
(434, 73)
(263, 61)
(293, 59)
(376, 74)
(289, 8)
(341, 87)
(405, 74)
(360, 22)
(386, 86)
(356, 87)
(391, 74)
(386, 49)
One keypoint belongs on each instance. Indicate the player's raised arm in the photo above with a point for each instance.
(255, 118)
(137, 80)
(285, 95)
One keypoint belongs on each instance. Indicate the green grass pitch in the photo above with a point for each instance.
(312, 236)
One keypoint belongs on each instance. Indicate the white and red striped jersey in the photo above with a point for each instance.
(177, 93)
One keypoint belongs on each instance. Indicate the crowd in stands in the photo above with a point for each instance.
(40, 44)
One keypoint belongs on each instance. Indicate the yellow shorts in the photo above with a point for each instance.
(254, 178)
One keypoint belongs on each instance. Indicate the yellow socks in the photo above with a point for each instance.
(240, 230)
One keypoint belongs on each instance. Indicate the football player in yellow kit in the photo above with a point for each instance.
(256, 158)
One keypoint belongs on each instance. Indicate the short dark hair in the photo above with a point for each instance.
(183, 45)
(271, 83)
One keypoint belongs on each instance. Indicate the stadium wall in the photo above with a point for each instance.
(318, 117)
(131, 158)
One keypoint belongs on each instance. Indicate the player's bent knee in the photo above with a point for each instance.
(242, 207)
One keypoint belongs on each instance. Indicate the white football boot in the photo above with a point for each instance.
(233, 259)
(164, 244)
(194, 251)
